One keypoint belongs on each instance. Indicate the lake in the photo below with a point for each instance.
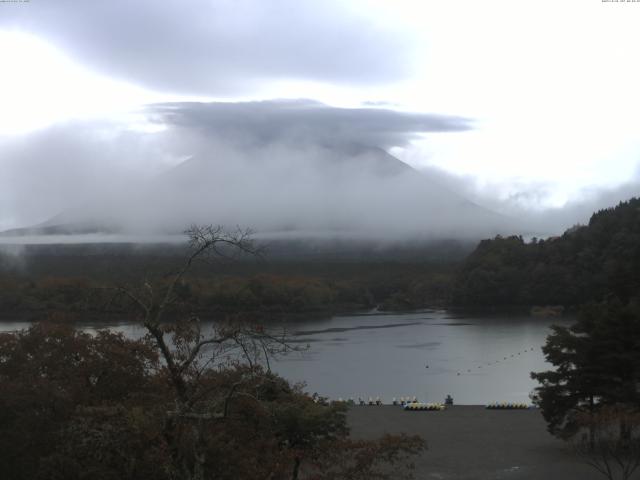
(427, 354)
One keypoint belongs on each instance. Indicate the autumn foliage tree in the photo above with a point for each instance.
(53, 378)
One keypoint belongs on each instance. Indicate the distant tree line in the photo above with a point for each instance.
(586, 263)
(396, 287)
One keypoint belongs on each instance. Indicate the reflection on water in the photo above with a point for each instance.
(427, 354)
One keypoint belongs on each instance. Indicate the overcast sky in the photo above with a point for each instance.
(520, 106)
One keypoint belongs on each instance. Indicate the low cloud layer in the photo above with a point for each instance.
(522, 200)
(233, 46)
(50, 171)
(292, 168)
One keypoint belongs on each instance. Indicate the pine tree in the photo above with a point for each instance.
(597, 363)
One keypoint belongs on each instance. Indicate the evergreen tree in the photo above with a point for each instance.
(597, 363)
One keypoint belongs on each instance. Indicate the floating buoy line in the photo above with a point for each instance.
(412, 403)
(477, 367)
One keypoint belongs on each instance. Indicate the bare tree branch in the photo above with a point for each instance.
(196, 400)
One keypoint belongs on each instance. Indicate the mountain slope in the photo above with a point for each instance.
(302, 190)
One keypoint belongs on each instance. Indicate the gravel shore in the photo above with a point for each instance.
(470, 442)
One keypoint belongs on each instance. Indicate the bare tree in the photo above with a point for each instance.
(188, 353)
(216, 379)
(609, 441)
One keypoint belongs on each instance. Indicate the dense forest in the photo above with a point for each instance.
(38, 281)
(586, 263)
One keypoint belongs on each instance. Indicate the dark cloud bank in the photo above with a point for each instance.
(222, 47)
(256, 124)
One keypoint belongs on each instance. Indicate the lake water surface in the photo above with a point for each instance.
(429, 354)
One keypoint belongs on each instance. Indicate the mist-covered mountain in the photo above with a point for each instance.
(293, 190)
(286, 169)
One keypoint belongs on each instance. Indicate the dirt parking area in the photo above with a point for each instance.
(471, 442)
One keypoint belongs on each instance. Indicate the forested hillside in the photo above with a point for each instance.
(78, 280)
(586, 263)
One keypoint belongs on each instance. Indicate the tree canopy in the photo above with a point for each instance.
(586, 263)
(79, 406)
